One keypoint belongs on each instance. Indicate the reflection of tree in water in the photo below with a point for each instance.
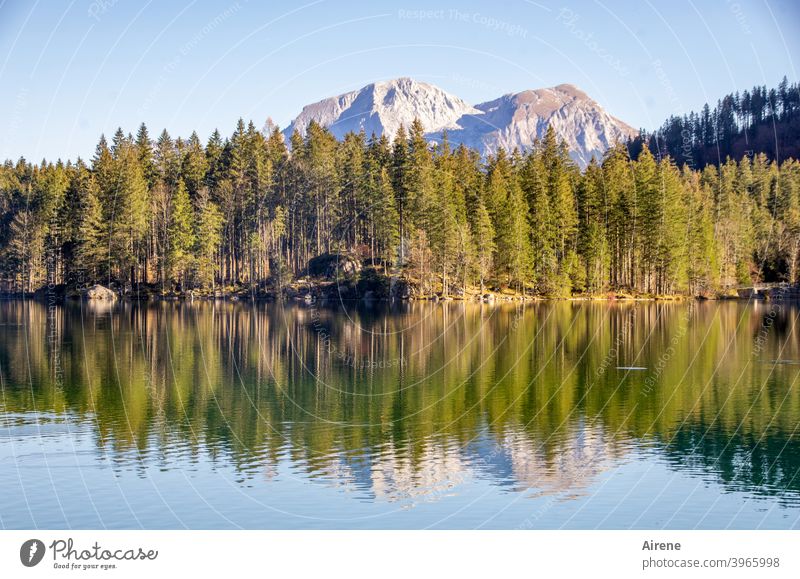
(409, 402)
(768, 465)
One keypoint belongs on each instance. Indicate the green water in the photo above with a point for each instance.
(548, 415)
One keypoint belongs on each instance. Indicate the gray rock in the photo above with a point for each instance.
(332, 265)
(99, 292)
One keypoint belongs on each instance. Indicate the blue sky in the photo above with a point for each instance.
(72, 70)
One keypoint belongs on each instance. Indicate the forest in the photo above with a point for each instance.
(248, 212)
(741, 124)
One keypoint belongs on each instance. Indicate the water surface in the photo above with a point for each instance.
(548, 415)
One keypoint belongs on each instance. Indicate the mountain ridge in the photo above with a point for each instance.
(513, 120)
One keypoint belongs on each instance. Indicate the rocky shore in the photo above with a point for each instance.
(340, 277)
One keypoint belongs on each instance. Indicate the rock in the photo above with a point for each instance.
(332, 265)
(512, 121)
(749, 293)
(99, 292)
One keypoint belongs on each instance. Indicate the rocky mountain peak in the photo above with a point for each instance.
(510, 121)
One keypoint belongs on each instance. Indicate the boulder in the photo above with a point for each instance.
(332, 265)
(99, 292)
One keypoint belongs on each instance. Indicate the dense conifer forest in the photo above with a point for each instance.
(741, 124)
(249, 211)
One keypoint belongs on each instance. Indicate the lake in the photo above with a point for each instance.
(565, 414)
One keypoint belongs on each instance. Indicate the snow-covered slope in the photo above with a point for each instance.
(383, 107)
(516, 120)
(511, 121)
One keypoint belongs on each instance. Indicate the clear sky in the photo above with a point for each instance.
(74, 69)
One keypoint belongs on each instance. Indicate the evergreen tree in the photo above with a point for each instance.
(484, 235)
(534, 180)
(400, 182)
(144, 151)
(671, 258)
(592, 241)
(702, 253)
(652, 212)
(181, 235)
(207, 237)
(92, 247)
(250, 212)
(194, 165)
(419, 181)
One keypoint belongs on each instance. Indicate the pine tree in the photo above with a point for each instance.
(484, 235)
(671, 260)
(650, 192)
(354, 176)
(592, 241)
(400, 182)
(446, 226)
(619, 192)
(25, 248)
(181, 235)
(194, 165)
(510, 216)
(534, 181)
(560, 175)
(144, 151)
(92, 246)
(788, 222)
(207, 238)
(384, 219)
(702, 252)
(419, 180)
(127, 204)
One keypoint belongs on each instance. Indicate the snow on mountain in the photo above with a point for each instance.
(511, 121)
(383, 107)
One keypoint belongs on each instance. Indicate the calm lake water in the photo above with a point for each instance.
(549, 415)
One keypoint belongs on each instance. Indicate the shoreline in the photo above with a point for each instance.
(326, 292)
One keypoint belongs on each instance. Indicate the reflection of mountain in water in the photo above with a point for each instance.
(571, 471)
(416, 402)
(440, 468)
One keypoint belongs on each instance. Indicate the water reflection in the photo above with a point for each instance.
(414, 403)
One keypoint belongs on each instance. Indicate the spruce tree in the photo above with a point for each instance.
(181, 235)
(484, 235)
(207, 236)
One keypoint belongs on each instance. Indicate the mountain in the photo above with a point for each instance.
(383, 107)
(516, 120)
(511, 121)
